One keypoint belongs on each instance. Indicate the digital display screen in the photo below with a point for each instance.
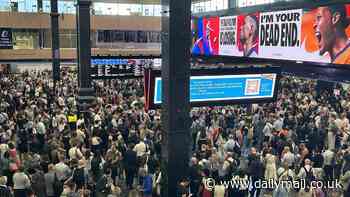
(104, 68)
(225, 87)
(297, 35)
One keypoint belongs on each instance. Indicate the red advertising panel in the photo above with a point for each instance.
(206, 36)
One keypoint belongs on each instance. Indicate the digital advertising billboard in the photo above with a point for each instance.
(228, 86)
(320, 35)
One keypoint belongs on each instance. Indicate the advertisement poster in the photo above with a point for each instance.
(280, 35)
(205, 36)
(6, 38)
(228, 36)
(320, 35)
(326, 33)
(248, 34)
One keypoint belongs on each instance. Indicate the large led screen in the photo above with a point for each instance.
(225, 87)
(111, 67)
(319, 35)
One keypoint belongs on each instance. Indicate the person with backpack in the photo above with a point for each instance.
(37, 178)
(284, 173)
(79, 175)
(306, 174)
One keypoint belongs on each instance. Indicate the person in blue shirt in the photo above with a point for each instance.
(147, 183)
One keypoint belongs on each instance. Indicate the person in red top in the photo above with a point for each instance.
(205, 191)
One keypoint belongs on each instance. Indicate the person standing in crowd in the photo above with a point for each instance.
(130, 163)
(255, 171)
(21, 183)
(4, 190)
(49, 181)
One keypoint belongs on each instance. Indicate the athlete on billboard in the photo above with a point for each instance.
(249, 36)
(202, 45)
(330, 25)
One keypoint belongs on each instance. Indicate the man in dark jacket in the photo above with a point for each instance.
(255, 171)
(130, 163)
(38, 181)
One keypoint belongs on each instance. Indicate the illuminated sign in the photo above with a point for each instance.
(104, 68)
(298, 35)
(225, 87)
(220, 87)
(6, 38)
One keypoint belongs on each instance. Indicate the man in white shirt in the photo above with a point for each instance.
(328, 162)
(288, 157)
(278, 124)
(268, 130)
(140, 149)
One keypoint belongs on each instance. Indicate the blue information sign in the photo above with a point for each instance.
(225, 87)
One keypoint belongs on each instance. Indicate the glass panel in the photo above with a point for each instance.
(27, 5)
(46, 6)
(67, 7)
(112, 36)
(4, 5)
(25, 39)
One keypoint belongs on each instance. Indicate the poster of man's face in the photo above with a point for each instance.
(330, 24)
(248, 33)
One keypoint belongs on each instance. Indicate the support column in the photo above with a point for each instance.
(86, 92)
(41, 31)
(55, 48)
(176, 41)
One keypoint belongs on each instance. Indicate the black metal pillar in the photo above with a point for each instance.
(41, 31)
(86, 92)
(55, 48)
(176, 41)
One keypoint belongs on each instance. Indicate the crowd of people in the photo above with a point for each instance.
(49, 149)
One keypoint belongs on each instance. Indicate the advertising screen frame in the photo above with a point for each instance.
(130, 76)
(244, 12)
(153, 74)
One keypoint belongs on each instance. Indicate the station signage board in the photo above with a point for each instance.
(6, 38)
(109, 68)
(220, 88)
